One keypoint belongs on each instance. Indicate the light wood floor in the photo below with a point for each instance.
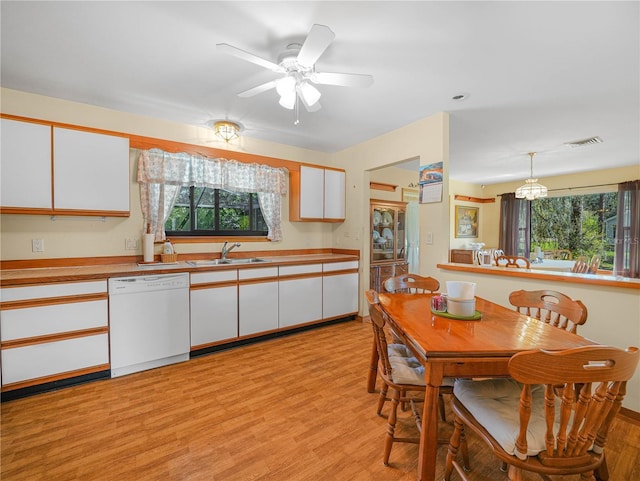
(294, 408)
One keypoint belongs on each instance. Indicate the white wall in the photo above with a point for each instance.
(90, 237)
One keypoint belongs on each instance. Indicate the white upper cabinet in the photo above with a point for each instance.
(311, 192)
(91, 172)
(334, 194)
(317, 194)
(25, 158)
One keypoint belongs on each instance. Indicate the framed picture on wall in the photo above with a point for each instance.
(466, 221)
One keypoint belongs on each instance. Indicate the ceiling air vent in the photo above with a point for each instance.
(584, 142)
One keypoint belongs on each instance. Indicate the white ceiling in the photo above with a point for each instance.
(537, 74)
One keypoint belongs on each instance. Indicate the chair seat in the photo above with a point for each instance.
(406, 367)
(495, 402)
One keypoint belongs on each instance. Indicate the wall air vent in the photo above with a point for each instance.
(583, 142)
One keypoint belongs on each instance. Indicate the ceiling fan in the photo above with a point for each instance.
(297, 64)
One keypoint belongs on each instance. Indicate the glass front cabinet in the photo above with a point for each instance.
(388, 231)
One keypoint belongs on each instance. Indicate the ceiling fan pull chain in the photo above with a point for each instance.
(296, 108)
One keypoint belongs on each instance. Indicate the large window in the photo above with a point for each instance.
(582, 224)
(204, 211)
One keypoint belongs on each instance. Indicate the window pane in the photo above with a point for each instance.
(582, 224)
(180, 217)
(216, 212)
(204, 203)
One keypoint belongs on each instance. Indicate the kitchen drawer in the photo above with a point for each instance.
(40, 360)
(259, 273)
(52, 319)
(52, 290)
(303, 269)
(340, 266)
(211, 277)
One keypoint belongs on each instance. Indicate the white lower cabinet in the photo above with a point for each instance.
(214, 308)
(340, 289)
(258, 300)
(51, 358)
(300, 294)
(53, 331)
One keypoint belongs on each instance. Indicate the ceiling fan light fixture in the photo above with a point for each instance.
(286, 86)
(288, 100)
(309, 93)
(531, 190)
(226, 130)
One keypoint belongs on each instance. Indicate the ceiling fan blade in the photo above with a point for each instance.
(236, 52)
(258, 90)
(319, 38)
(342, 79)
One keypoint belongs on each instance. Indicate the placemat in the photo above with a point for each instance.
(475, 317)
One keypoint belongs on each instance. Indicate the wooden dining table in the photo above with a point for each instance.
(464, 349)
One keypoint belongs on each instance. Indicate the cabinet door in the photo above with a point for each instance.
(50, 358)
(258, 304)
(334, 194)
(214, 315)
(340, 295)
(25, 158)
(311, 192)
(300, 301)
(91, 172)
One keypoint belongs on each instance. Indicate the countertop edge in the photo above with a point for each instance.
(20, 277)
(569, 277)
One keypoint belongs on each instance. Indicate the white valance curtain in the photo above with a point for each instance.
(162, 174)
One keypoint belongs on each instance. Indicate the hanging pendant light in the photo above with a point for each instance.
(531, 190)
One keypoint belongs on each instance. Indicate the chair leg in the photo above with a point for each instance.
(465, 450)
(382, 398)
(602, 471)
(443, 414)
(391, 425)
(373, 369)
(452, 451)
(515, 474)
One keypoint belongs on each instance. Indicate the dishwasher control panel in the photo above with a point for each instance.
(126, 285)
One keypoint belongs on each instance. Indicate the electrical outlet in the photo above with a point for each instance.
(131, 244)
(37, 245)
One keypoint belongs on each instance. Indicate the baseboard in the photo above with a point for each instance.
(629, 416)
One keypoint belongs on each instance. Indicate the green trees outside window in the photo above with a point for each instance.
(204, 211)
(582, 224)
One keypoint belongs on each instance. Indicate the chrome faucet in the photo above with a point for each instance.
(226, 250)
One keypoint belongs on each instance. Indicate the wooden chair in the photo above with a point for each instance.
(563, 254)
(529, 427)
(415, 284)
(512, 261)
(581, 265)
(552, 307)
(411, 283)
(402, 375)
(594, 263)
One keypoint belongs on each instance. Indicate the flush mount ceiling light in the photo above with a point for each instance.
(531, 190)
(226, 130)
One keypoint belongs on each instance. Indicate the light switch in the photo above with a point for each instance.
(429, 238)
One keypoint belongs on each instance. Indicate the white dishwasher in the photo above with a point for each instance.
(148, 322)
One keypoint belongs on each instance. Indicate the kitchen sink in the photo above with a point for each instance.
(222, 262)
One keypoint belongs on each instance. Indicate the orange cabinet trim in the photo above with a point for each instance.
(61, 336)
(52, 301)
